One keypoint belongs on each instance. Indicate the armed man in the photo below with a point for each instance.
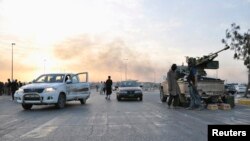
(195, 99)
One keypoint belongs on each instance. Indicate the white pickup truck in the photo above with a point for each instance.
(56, 88)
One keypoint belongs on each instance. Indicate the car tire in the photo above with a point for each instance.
(83, 101)
(27, 106)
(61, 101)
(118, 98)
(162, 97)
(141, 98)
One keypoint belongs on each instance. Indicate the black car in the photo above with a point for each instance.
(230, 89)
(129, 89)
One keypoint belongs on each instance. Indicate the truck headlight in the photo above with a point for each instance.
(19, 91)
(49, 89)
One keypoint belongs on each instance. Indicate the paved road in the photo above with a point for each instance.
(101, 120)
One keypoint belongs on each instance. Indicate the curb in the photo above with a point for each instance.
(244, 101)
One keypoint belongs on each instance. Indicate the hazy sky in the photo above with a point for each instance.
(104, 36)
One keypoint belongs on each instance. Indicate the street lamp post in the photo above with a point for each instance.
(12, 44)
(126, 69)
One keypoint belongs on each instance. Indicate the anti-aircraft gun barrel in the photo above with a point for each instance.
(208, 58)
(221, 50)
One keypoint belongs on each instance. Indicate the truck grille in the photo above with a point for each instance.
(130, 92)
(31, 97)
(37, 90)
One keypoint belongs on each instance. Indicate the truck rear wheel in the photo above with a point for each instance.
(141, 98)
(118, 98)
(27, 106)
(162, 97)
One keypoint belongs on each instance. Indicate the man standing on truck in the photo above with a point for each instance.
(195, 100)
(173, 87)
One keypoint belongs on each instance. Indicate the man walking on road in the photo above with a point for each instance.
(108, 87)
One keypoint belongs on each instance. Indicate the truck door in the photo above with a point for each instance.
(69, 87)
(83, 77)
(82, 86)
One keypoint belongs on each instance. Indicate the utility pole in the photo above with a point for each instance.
(12, 44)
(125, 68)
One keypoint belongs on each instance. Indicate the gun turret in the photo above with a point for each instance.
(208, 58)
(205, 62)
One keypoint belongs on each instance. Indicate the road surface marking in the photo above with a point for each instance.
(41, 131)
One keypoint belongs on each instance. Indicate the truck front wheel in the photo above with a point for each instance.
(83, 101)
(27, 106)
(162, 97)
(118, 98)
(61, 101)
(141, 98)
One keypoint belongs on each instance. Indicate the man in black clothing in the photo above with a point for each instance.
(9, 87)
(14, 87)
(108, 87)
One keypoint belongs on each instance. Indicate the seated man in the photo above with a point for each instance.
(52, 79)
(67, 78)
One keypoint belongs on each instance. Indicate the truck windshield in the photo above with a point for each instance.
(50, 78)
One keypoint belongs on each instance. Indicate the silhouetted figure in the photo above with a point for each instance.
(9, 87)
(1, 88)
(20, 84)
(108, 87)
(104, 88)
(97, 87)
(14, 87)
(101, 88)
